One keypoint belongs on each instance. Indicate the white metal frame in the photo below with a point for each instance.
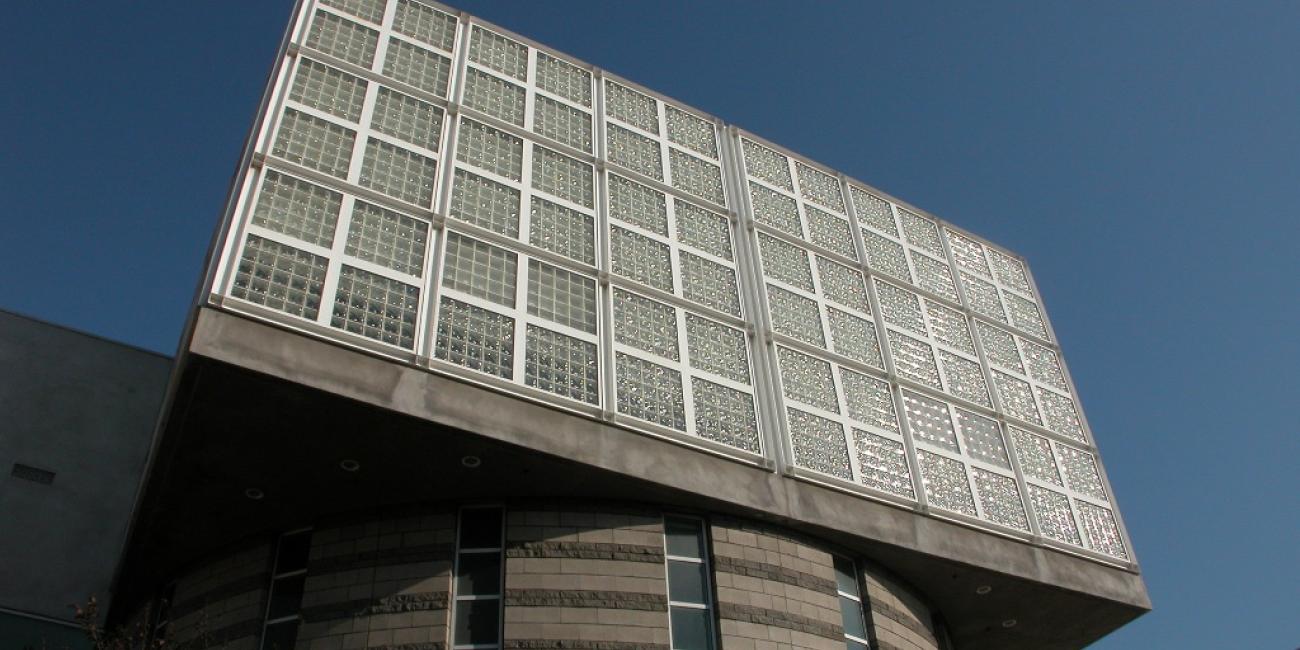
(710, 604)
(500, 596)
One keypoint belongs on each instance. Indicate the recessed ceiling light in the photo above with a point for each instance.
(471, 462)
(983, 589)
(254, 494)
(349, 465)
(1010, 622)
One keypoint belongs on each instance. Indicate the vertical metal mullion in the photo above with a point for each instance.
(607, 365)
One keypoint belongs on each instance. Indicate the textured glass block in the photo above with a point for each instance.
(424, 23)
(1000, 499)
(709, 283)
(965, 378)
(914, 359)
(649, 391)
(640, 258)
(717, 348)
(561, 230)
(868, 400)
(1080, 469)
(645, 324)
(886, 256)
(476, 338)
(808, 380)
(999, 347)
(1017, 399)
(280, 277)
(948, 326)
(766, 164)
(785, 262)
(1099, 527)
(342, 39)
(1025, 315)
(830, 232)
(1043, 364)
(298, 208)
(561, 296)
(371, 10)
(499, 53)
(315, 143)
(491, 149)
(945, 482)
(479, 269)
(638, 205)
(692, 132)
(795, 316)
(632, 107)
(1035, 455)
(724, 415)
(873, 211)
(561, 122)
(398, 172)
(418, 67)
(1009, 271)
(705, 230)
(328, 89)
(1060, 414)
(968, 253)
(775, 209)
(819, 444)
(983, 297)
(921, 232)
(376, 307)
(485, 203)
(983, 438)
(565, 177)
(561, 364)
(408, 118)
(882, 463)
(934, 276)
(819, 187)
(564, 79)
(929, 421)
(387, 238)
(697, 177)
(1052, 509)
(855, 337)
(843, 285)
(631, 150)
(495, 96)
(901, 307)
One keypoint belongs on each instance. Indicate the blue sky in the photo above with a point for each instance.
(1145, 158)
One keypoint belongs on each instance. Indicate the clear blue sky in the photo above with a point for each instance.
(1144, 156)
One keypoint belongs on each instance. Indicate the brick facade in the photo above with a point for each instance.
(898, 618)
(221, 604)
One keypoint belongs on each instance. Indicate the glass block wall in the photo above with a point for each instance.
(438, 190)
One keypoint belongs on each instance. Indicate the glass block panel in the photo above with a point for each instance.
(376, 307)
(914, 359)
(965, 378)
(564, 79)
(968, 253)
(638, 205)
(1025, 315)
(983, 297)
(855, 337)
(830, 232)
(775, 209)
(499, 53)
(476, 338)
(764, 163)
(934, 276)
(1060, 414)
(650, 391)
(717, 348)
(983, 438)
(945, 482)
(1099, 526)
(561, 230)
(785, 262)
(561, 364)
(561, 296)
(387, 238)
(819, 444)
(328, 89)
(709, 283)
(999, 346)
(819, 187)
(485, 203)
(1043, 365)
(886, 256)
(724, 415)
(418, 67)
(315, 143)
(921, 232)
(495, 96)
(399, 173)
(808, 380)
(479, 269)
(634, 151)
(343, 39)
(1009, 271)
(900, 307)
(565, 177)
(632, 107)
(424, 23)
(1000, 498)
(795, 316)
(882, 463)
(929, 421)
(873, 211)
(280, 277)
(298, 208)
(1052, 509)
(408, 118)
(561, 122)
(491, 149)
(949, 327)
(697, 177)
(1017, 399)
(1081, 471)
(645, 324)
(692, 132)
(640, 258)
(1035, 455)
(843, 285)
(705, 230)
(371, 10)
(868, 400)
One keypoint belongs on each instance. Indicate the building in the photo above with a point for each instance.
(498, 350)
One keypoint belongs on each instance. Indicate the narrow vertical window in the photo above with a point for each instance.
(477, 607)
(287, 578)
(846, 583)
(690, 603)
